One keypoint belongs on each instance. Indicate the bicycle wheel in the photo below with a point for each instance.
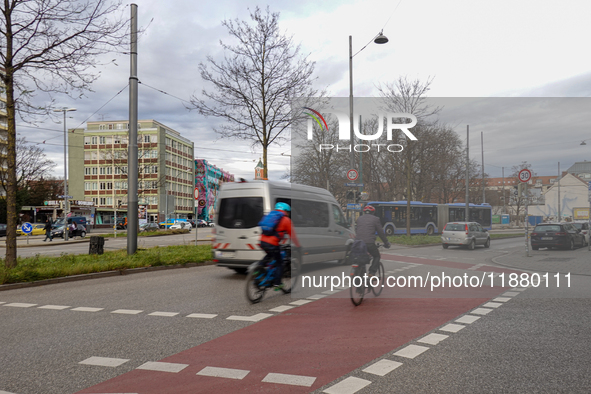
(254, 292)
(377, 290)
(357, 293)
(291, 270)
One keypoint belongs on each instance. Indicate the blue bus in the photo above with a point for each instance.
(428, 218)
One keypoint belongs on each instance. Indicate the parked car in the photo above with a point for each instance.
(556, 235)
(202, 223)
(59, 232)
(467, 234)
(181, 226)
(149, 227)
(2, 230)
(171, 222)
(584, 227)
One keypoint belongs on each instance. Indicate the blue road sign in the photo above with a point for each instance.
(27, 228)
(354, 184)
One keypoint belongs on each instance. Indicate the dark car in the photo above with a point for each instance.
(556, 235)
(149, 227)
(2, 230)
(79, 232)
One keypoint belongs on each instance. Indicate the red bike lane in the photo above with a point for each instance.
(322, 340)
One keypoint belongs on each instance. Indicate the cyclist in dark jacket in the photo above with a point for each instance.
(368, 227)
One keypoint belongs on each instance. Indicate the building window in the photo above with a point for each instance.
(147, 138)
(94, 140)
(86, 140)
(103, 201)
(119, 126)
(102, 127)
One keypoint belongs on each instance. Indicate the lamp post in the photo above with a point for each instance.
(64, 110)
(378, 39)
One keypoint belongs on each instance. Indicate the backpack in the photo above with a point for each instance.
(270, 222)
(359, 253)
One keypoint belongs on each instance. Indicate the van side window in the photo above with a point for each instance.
(309, 213)
(339, 218)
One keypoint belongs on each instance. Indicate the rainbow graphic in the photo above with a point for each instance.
(316, 118)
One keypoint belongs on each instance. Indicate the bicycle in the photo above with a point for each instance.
(260, 277)
(366, 284)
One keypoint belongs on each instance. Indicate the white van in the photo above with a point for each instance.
(317, 218)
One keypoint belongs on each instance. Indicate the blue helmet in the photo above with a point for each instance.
(281, 206)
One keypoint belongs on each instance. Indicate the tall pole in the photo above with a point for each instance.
(559, 212)
(351, 133)
(504, 198)
(132, 154)
(65, 110)
(467, 212)
(482, 150)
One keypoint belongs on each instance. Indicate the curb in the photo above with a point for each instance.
(98, 275)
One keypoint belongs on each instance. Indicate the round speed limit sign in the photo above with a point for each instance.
(524, 175)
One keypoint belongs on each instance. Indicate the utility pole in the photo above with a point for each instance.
(467, 212)
(132, 154)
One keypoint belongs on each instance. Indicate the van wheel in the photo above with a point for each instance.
(430, 230)
(445, 246)
(241, 271)
(471, 245)
(82, 234)
(487, 244)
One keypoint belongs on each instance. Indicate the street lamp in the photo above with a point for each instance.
(64, 110)
(378, 39)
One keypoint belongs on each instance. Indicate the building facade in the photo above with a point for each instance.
(98, 171)
(208, 179)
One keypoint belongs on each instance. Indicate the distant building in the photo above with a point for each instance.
(98, 170)
(259, 171)
(582, 169)
(208, 179)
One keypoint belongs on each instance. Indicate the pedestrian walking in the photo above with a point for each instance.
(47, 229)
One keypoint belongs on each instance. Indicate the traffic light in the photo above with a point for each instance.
(350, 195)
(357, 197)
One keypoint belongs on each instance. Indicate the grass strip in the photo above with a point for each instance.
(39, 267)
(415, 240)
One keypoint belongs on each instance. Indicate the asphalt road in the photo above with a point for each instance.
(191, 330)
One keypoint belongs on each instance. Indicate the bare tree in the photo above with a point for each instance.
(31, 164)
(49, 46)
(406, 96)
(255, 84)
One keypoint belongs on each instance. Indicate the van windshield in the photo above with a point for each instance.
(240, 212)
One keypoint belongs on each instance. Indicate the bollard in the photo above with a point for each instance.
(96, 245)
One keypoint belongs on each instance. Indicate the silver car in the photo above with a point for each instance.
(467, 234)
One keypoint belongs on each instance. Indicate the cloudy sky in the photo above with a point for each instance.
(470, 48)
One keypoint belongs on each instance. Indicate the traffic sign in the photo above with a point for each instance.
(354, 207)
(524, 175)
(354, 184)
(65, 196)
(27, 228)
(352, 174)
(196, 193)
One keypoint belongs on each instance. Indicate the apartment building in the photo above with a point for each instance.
(98, 171)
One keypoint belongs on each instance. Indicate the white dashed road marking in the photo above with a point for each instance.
(163, 367)
(510, 294)
(281, 308)
(54, 307)
(300, 302)
(223, 373)
(202, 315)
(433, 339)
(20, 305)
(502, 299)
(452, 327)
(127, 311)
(104, 361)
(467, 319)
(481, 311)
(257, 317)
(492, 304)
(350, 385)
(382, 367)
(294, 380)
(411, 351)
(86, 309)
(166, 314)
(317, 296)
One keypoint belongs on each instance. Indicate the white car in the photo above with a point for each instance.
(181, 226)
(584, 227)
